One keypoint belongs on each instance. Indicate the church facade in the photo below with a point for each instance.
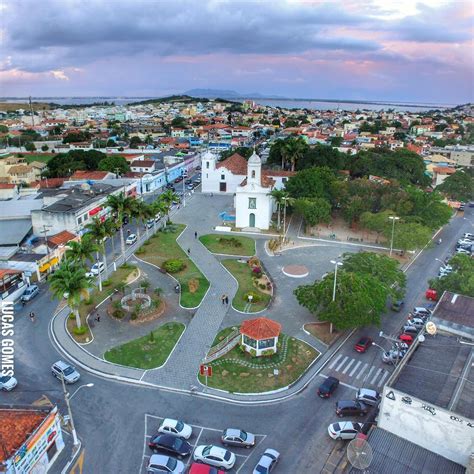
(248, 182)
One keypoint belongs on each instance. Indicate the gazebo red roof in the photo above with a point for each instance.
(260, 328)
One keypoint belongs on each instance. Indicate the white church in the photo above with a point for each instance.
(250, 185)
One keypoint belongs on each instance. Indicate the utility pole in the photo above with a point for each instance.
(73, 428)
(32, 114)
(393, 219)
(45, 232)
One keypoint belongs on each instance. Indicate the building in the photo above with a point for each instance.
(428, 400)
(259, 336)
(31, 439)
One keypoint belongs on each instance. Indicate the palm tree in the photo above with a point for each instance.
(70, 281)
(167, 199)
(110, 231)
(278, 195)
(98, 233)
(157, 207)
(142, 211)
(287, 201)
(81, 251)
(120, 205)
(292, 150)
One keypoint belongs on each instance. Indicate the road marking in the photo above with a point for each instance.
(341, 364)
(352, 372)
(368, 375)
(376, 376)
(153, 416)
(333, 363)
(362, 370)
(348, 366)
(147, 436)
(384, 376)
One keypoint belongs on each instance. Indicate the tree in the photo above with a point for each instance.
(70, 281)
(3, 129)
(64, 164)
(359, 301)
(384, 269)
(323, 155)
(336, 141)
(243, 151)
(44, 148)
(135, 142)
(409, 235)
(179, 122)
(98, 233)
(167, 199)
(120, 205)
(293, 149)
(141, 211)
(313, 183)
(458, 186)
(114, 163)
(29, 146)
(313, 210)
(278, 195)
(461, 280)
(82, 251)
(74, 137)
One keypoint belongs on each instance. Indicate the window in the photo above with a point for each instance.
(266, 343)
(207, 165)
(253, 174)
(222, 176)
(250, 342)
(284, 180)
(252, 203)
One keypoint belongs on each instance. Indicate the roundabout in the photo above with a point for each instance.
(295, 271)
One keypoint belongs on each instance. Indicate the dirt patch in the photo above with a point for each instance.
(321, 331)
(132, 276)
(193, 285)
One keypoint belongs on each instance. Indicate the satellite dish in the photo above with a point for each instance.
(431, 328)
(421, 338)
(359, 453)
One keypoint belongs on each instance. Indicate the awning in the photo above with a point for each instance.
(49, 264)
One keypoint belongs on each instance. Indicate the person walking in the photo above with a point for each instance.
(195, 235)
(223, 299)
(226, 299)
(32, 316)
(189, 251)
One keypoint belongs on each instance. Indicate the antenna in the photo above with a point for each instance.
(32, 114)
(359, 453)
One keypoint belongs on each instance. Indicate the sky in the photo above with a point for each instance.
(397, 50)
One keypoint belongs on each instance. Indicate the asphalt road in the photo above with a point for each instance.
(110, 417)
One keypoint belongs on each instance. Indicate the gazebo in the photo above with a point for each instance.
(260, 336)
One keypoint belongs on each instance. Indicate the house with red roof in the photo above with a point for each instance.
(260, 336)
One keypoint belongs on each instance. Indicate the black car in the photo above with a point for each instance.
(170, 444)
(351, 408)
(188, 181)
(326, 389)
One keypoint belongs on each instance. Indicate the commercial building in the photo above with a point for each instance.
(31, 439)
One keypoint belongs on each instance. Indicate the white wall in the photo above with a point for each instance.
(211, 179)
(263, 212)
(434, 428)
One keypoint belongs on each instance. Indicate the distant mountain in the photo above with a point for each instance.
(228, 94)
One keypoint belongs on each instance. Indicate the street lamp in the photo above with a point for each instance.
(393, 219)
(336, 264)
(68, 398)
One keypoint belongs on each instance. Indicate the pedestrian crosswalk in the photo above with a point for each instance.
(357, 372)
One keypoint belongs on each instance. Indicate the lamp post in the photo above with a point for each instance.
(393, 219)
(336, 264)
(68, 398)
(285, 199)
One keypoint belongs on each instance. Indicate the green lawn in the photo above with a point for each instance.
(147, 353)
(163, 246)
(232, 377)
(42, 158)
(96, 297)
(243, 274)
(229, 244)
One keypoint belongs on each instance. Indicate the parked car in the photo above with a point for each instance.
(368, 396)
(421, 311)
(397, 305)
(97, 268)
(393, 356)
(170, 444)
(410, 329)
(236, 437)
(131, 239)
(327, 388)
(363, 344)
(406, 338)
(417, 322)
(189, 187)
(214, 456)
(188, 181)
(30, 292)
(159, 463)
(61, 369)
(197, 468)
(157, 217)
(351, 408)
(468, 235)
(431, 294)
(178, 179)
(150, 223)
(8, 382)
(463, 251)
(267, 462)
(175, 428)
(344, 430)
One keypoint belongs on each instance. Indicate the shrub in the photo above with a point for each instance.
(252, 352)
(158, 291)
(80, 331)
(88, 301)
(140, 250)
(126, 266)
(72, 316)
(148, 242)
(107, 282)
(116, 304)
(253, 262)
(174, 265)
(118, 313)
(262, 286)
(255, 296)
(230, 241)
(257, 271)
(145, 284)
(267, 352)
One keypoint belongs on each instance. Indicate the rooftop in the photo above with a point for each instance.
(260, 328)
(455, 313)
(440, 372)
(61, 238)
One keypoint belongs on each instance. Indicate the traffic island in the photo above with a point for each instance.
(150, 351)
(228, 245)
(255, 289)
(163, 251)
(239, 371)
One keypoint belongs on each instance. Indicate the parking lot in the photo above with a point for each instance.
(204, 435)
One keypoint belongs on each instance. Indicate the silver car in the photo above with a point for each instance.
(368, 396)
(61, 369)
(8, 383)
(236, 437)
(267, 462)
(30, 292)
(160, 463)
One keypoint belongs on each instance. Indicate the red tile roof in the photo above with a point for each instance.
(143, 164)
(5, 272)
(236, 164)
(16, 426)
(278, 173)
(444, 170)
(62, 238)
(260, 328)
(81, 174)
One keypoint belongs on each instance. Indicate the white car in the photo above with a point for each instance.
(344, 430)
(214, 456)
(368, 396)
(131, 239)
(8, 383)
(175, 428)
(160, 463)
(97, 268)
(267, 462)
(463, 251)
